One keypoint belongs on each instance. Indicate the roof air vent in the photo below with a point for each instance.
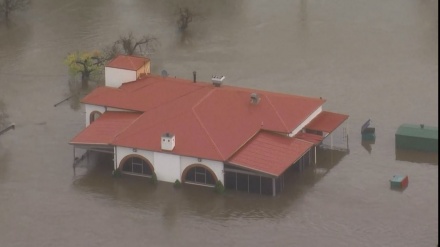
(255, 98)
(217, 80)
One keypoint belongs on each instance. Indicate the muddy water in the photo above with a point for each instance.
(369, 59)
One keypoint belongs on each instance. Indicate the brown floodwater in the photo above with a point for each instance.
(371, 59)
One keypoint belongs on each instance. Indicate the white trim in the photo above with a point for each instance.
(136, 174)
(200, 184)
(305, 122)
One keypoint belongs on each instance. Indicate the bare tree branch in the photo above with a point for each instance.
(8, 6)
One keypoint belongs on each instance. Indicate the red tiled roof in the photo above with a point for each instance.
(143, 94)
(127, 62)
(208, 122)
(178, 118)
(270, 153)
(327, 121)
(104, 130)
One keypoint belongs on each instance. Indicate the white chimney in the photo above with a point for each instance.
(168, 141)
(217, 80)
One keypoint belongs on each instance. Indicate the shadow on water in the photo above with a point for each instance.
(417, 156)
(3, 115)
(76, 93)
(367, 145)
(198, 201)
(4, 158)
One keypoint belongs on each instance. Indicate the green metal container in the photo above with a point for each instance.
(399, 182)
(417, 137)
(369, 134)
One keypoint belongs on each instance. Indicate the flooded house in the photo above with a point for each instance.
(199, 132)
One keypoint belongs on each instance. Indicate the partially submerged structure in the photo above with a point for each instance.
(200, 133)
(2, 131)
(417, 137)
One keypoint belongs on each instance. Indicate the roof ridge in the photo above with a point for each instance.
(245, 143)
(201, 123)
(129, 125)
(276, 112)
(131, 62)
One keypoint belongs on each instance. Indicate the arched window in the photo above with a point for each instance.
(138, 166)
(199, 174)
(94, 115)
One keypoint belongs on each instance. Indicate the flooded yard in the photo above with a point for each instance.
(373, 60)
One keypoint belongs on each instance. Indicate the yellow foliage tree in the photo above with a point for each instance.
(84, 63)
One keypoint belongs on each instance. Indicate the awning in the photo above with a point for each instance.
(270, 153)
(326, 121)
(104, 130)
(308, 137)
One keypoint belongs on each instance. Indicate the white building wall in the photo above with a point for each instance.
(216, 166)
(115, 77)
(167, 167)
(91, 108)
(307, 121)
(122, 152)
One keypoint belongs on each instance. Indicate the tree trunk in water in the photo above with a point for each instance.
(6, 6)
(84, 81)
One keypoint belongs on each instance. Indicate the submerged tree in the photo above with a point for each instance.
(129, 45)
(184, 17)
(88, 63)
(9, 6)
(84, 63)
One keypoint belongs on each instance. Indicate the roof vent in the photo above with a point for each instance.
(217, 80)
(255, 98)
(422, 126)
(168, 141)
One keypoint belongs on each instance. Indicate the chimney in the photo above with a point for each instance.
(255, 98)
(194, 76)
(217, 80)
(168, 141)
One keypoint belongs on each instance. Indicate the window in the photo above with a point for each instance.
(137, 165)
(200, 175)
(94, 116)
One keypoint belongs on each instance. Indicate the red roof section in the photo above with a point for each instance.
(208, 122)
(127, 62)
(143, 94)
(270, 153)
(104, 130)
(327, 121)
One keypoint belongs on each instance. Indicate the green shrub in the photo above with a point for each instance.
(219, 188)
(177, 184)
(117, 173)
(154, 178)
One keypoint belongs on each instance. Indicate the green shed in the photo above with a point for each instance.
(417, 137)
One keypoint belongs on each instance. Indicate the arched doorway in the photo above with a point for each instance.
(199, 174)
(136, 165)
(94, 115)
